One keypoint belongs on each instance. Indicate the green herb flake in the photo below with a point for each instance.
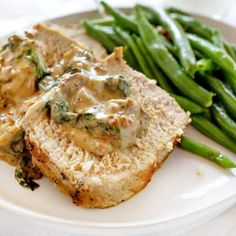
(26, 173)
(37, 60)
(118, 82)
(124, 87)
(61, 114)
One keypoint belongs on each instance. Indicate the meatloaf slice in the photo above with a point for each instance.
(99, 182)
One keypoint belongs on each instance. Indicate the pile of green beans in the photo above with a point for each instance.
(189, 59)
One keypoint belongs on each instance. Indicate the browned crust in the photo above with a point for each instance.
(50, 170)
(158, 165)
(81, 197)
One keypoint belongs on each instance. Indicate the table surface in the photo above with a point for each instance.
(16, 14)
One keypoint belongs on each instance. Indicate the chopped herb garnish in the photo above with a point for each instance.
(26, 173)
(124, 86)
(37, 60)
(60, 112)
(118, 82)
(96, 126)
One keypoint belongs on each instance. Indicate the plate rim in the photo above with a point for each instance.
(56, 220)
(13, 207)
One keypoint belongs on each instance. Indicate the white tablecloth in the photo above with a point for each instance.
(19, 13)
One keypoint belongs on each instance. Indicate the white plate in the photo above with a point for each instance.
(176, 197)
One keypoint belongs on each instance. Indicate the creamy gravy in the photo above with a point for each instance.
(92, 107)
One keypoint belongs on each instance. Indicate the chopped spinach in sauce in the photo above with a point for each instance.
(118, 82)
(26, 172)
(37, 60)
(60, 112)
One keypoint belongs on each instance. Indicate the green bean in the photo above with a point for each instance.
(198, 54)
(159, 76)
(230, 78)
(233, 46)
(95, 32)
(122, 19)
(176, 10)
(106, 21)
(192, 25)
(109, 39)
(168, 45)
(217, 55)
(207, 152)
(188, 105)
(110, 33)
(129, 41)
(213, 132)
(228, 48)
(224, 121)
(168, 64)
(184, 50)
(204, 65)
(128, 54)
(208, 115)
(223, 93)
(130, 58)
(146, 57)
